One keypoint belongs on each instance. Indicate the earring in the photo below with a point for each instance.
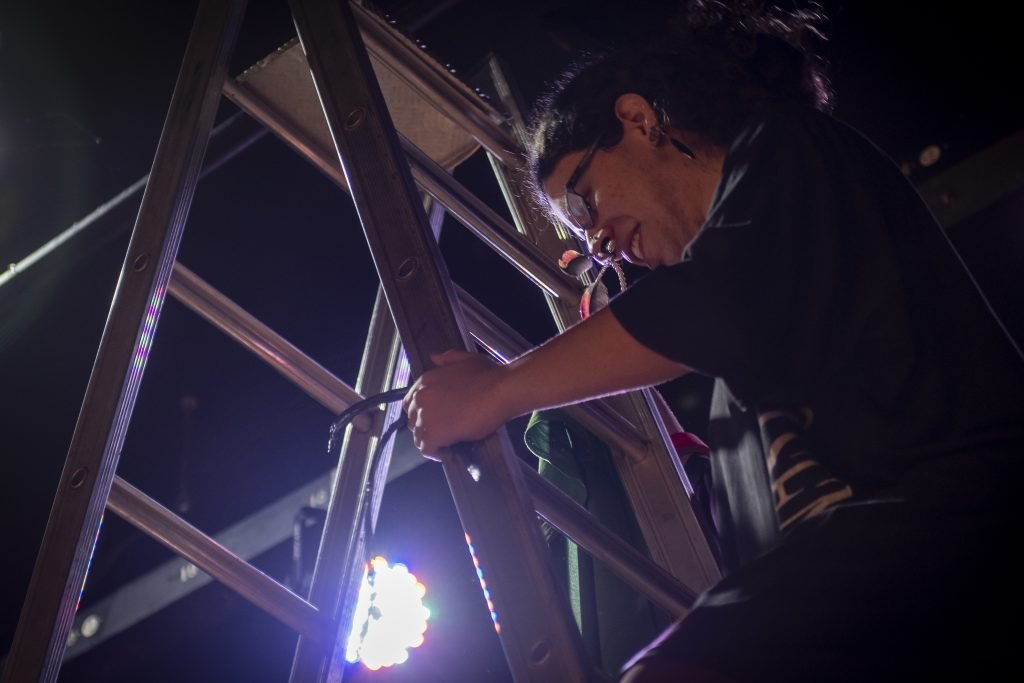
(655, 135)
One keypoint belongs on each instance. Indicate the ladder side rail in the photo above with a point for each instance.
(540, 640)
(660, 491)
(270, 347)
(156, 521)
(463, 205)
(352, 510)
(79, 502)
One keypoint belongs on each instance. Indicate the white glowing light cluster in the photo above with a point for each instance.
(390, 617)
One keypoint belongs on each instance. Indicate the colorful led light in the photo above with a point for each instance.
(389, 617)
(483, 585)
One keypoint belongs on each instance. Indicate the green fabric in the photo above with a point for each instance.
(549, 436)
(614, 619)
(552, 443)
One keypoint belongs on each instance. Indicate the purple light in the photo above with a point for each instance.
(483, 585)
(88, 565)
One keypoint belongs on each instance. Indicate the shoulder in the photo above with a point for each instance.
(791, 162)
(786, 128)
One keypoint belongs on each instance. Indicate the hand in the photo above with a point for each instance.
(460, 400)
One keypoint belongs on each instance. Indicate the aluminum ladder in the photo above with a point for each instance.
(498, 497)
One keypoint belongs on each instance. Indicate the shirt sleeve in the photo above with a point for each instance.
(772, 292)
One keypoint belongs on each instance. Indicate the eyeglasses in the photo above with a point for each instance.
(577, 209)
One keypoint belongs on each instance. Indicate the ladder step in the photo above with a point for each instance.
(149, 516)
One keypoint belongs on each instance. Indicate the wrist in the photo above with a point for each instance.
(508, 391)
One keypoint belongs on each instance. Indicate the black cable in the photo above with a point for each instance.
(359, 406)
(400, 422)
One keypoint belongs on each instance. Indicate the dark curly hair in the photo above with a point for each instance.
(719, 63)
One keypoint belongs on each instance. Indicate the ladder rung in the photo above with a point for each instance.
(149, 516)
(331, 392)
(580, 526)
(605, 422)
(490, 227)
(230, 318)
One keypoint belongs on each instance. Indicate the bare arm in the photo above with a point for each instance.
(469, 396)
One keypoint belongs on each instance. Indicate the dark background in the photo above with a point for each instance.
(84, 89)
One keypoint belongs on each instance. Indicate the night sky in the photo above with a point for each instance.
(84, 89)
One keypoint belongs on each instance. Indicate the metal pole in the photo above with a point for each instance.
(82, 492)
(355, 499)
(342, 555)
(209, 166)
(532, 617)
(149, 516)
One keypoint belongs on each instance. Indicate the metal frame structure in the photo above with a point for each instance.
(497, 496)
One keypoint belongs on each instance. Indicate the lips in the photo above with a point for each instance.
(633, 250)
(604, 246)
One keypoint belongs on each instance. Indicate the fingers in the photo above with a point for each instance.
(414, 416)
(451, 356)
(440, 404)
(427, 448)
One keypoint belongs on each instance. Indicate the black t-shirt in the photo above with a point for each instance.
(821, 281)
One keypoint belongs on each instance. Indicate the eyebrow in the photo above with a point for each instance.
(582, 165)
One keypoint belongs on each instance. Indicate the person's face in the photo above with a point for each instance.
(645, 196)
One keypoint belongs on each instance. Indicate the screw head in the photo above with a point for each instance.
(78, 477)
(408, 268)
(355, 118)
(539, 652)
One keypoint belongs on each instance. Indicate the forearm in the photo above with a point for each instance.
(468, 396)
(595, 358)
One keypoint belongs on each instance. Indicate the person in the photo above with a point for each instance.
(868, 412)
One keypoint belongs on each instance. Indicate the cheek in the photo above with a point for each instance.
(625, 200)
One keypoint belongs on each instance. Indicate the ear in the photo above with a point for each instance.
(635, 113)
